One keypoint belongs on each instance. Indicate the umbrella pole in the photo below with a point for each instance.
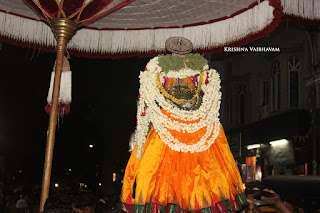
(63, 30)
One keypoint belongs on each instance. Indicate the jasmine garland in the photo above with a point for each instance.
(152, 102)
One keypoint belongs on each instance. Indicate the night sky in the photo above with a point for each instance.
(103, 111)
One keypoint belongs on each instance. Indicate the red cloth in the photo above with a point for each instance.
(76, 10)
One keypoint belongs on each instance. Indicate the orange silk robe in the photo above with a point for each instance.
(164, 180)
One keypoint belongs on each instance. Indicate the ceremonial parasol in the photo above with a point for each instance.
(115, 28)
(142, 27)
(64, 17)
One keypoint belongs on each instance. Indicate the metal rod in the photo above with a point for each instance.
(63, 30)
(51, 131)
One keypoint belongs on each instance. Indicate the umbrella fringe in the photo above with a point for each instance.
(207, 35)
(305, 9)
(26, 30)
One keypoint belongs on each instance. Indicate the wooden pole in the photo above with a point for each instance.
(63, 30)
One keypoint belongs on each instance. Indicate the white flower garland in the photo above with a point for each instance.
(151, 101)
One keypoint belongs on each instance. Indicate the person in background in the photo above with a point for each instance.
(251, 208)
(85, 203)
(281, 206)
(58, 204)
(284, 207)
(10, 206)
(101, 206)
(21, 205)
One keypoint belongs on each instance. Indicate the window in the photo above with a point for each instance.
(241, 107)
(293, 81)
(275, 85)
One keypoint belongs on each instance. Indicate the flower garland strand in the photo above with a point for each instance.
(152, 101)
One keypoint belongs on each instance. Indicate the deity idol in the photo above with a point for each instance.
(181, 161)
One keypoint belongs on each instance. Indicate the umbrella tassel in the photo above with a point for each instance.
(65, 89)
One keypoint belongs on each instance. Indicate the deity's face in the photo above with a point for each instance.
(181, 88)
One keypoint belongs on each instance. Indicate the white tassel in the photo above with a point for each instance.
(65, 89)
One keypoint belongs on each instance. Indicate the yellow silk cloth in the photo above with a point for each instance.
(192, 181)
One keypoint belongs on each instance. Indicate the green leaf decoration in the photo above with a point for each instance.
(170, 62)
(174, 62)
(195, 61)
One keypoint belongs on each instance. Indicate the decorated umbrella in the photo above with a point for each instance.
(142, 27)
(64, 17)
(138, 29)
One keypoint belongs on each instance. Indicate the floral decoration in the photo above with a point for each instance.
(152, 102)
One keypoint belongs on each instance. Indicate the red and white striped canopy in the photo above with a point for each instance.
(115, 28)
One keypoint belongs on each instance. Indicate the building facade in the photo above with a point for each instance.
(272, 96)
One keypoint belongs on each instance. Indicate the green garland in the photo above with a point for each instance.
(175, 63)
(195, 61)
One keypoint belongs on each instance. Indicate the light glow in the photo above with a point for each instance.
(277, 142)
(56, 185)
(90, 146)
(253, 146)
(114, 177)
